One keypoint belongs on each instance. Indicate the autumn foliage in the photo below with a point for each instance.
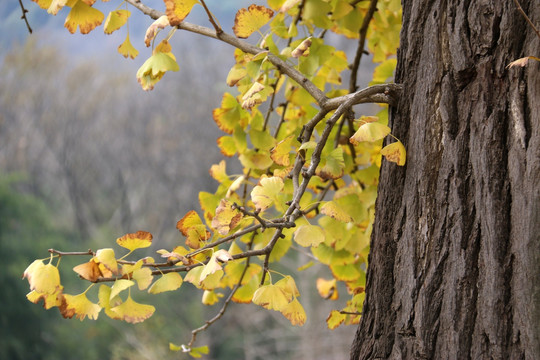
(310, 163)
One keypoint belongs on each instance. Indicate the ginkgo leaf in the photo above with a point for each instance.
(302, 49)
(332, 165)
(395, 152)
(89, 270)
(334, 319)
(81, 306)
(244, 294)
(210, 297)
(85, 17)
(287, 5)
(372, 131)
(42, 278)
(264, 194)
(249, 20)
(49, 300)
(295, 313)
(128, 50)
(226, 217)
(44, 4)
(288, 285)
(57, 5)
(138, 240)
(327, 288)
(115, 20)
(143, 276)
(106, 258)
(236, 74)
(168, 282)
(155, 67)
(336, 212)
(160, 23)
(177, 10)
(251, 97)
(270, 297)
(309, 235)
(105, 301)
(119, 286)
(280, 153)
(214, 264)
(192, 227)
(522, 61)
(199, 351)
(133, 312)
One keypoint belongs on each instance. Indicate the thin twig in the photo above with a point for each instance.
(225, 304)
(219, 30)
(361, 44)
(23, 16)
(70, 253)
(527, 18)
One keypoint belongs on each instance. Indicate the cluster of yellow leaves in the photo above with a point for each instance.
(282, 297)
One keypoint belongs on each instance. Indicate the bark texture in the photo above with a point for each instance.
(455, 253)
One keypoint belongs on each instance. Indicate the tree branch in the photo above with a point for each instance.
(246, 47)
(527, 18)
(361, 44)
(23, 16)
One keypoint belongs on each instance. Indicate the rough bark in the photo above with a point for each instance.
(454, 266)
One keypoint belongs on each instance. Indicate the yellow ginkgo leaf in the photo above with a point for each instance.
(237, 73)
(57, 5)
(249, 20)
(327, 288)
(127, 50)
(334, 319)
(89, 270)
(138, 240)
(270, 297)
(371, 131)
(83, 16)
(244, 294)
(168, 282)
(154, 68)
(106, 258)
(294, 311)
(143, 276)
(210, 297)
(192, 227)
(336, 212)
(395, 152)
(133, 312)
(44, 4)
(177, 10)
(105, 301)
(226, 217)
(119, 286)
(115, 20)
(288, 286)
(214, 264)
(308, 235)
(264, 194)
(287, 5)
(280, 153)
(43, 278)
(81, 306)
(49, 300)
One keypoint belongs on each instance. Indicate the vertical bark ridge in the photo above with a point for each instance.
(455, 247)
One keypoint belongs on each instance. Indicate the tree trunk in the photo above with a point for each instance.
(454, 266)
